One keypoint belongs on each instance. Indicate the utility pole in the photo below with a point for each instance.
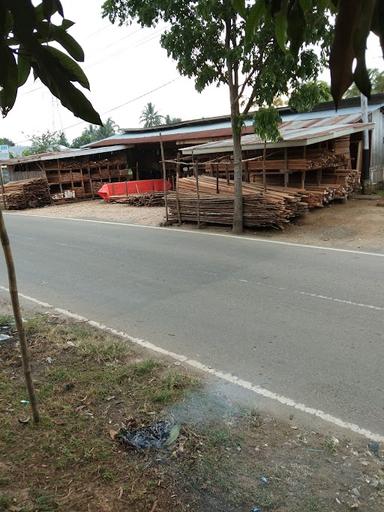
(366, 156)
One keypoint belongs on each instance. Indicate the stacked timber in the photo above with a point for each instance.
(270, 208)
(19, 195)
(145, 199)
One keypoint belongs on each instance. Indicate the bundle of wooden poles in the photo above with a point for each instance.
(210, 200)
(145, 199)
(31, 193)
(202, 204)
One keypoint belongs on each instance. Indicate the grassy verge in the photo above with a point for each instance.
(225, 459)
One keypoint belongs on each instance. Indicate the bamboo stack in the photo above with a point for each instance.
(32, 193)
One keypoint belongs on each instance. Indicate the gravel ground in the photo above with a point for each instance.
(358, 224)
(99, 210)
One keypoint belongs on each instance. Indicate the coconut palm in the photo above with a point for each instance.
(150, 117)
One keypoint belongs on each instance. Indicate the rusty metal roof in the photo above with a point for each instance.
(293, 133)
(59, 155)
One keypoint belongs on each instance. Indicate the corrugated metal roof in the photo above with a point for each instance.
(293, 133)
(222, 129)
(74, 153)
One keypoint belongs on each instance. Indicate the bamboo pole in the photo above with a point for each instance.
(164, 179)
(18, 318)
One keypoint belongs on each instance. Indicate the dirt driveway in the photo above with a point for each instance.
(99, 210)
(358, 224)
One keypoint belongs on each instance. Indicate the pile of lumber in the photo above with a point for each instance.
(145, 199)
(270, 208)
(19, 195)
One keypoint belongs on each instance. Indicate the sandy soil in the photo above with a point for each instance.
(358, 224)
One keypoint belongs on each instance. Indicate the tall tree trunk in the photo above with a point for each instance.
(233, 84)
(18, 318)
(237, 161)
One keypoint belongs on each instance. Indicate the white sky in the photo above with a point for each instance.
(122, 64)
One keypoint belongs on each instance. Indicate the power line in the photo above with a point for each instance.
(119, 52)
(132, 100)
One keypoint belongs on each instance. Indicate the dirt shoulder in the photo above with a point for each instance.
(356, 225)
(99, 210)
(226, 458)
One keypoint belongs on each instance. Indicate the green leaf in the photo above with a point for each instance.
(50, 7)
(281, 25)
(72, 69)
(255, 14)
(362, 79)
(306, 5)
(50, 32)
(24, 68)
(56, 79)
(8, 79)
(239, 6)
(66, 24)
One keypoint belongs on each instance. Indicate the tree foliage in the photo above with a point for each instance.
(171, 120)
(355, 19)
(308, 95)
(47, 142)
(4, 141)
(29, 42)
(265, 122)
(210, 44)
(195, 39)
(94, 133)
(150, 116)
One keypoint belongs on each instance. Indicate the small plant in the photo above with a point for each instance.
(144, 367)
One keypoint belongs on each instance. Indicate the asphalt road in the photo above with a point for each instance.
(303, 322)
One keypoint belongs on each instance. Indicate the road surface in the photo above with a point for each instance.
(300, 321)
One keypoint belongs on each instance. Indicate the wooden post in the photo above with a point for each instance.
(90, 182)
(286, 175)
(2, 188)
(217, 179)
(164, 179)
(18, 318)
(177, 188)
(264, 170)
(196, 172)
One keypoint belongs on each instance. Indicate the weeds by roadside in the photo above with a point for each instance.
(90, 384)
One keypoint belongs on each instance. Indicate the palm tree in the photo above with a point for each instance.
(150, 117)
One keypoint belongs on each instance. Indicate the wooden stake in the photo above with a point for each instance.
(2, 188)
(177, 188)
(264, 171)
(164, 179)
(18, 318)
(196, 171)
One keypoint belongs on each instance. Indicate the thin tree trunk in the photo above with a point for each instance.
(18, 318)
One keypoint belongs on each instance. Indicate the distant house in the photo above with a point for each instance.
(73, 174)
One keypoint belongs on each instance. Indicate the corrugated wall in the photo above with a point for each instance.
(377, 144)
